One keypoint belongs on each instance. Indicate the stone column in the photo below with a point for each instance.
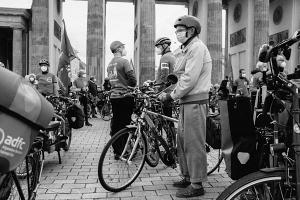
(96, 39)
(214, 38)
(40, 33)
(261, 27)
(146, 50)
(17, 64)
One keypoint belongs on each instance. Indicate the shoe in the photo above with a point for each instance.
(190, 192)
(94, 116)
(181, 184)
(88, 124)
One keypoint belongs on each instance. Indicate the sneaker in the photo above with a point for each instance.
(182, 183)
(190, 192)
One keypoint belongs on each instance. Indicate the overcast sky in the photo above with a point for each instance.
(119, 23)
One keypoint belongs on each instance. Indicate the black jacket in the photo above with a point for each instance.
(93, 88)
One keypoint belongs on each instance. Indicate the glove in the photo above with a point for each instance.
(165, 97)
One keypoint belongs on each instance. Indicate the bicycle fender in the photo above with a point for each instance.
(273, 169)
(131, 126)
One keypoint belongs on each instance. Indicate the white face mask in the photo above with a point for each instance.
(84, 75)
(158, 51)
(95, 80)
(124, 52)
(31, 79)
(44, 68)
(181, 37)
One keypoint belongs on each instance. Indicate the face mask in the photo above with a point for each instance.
(181, 37)
(283, 64)
(44, 68)
(95, 80)
(124, 52)
(84, 75)
(243, 75)
(158, 51)
(31, 79)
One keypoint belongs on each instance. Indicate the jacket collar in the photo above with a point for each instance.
(192, 41)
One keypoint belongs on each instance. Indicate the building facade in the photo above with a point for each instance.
(251, 23)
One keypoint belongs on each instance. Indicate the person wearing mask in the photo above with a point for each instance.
(47, 82)
(194, 66)
(93, 92)
(241, 85)
(80, 84)
(106, 84)
(121, 75)
(166, 66)
(31, 78)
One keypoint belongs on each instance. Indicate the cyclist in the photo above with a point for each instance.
(194, 64)
(81, 85)
(121, 75)
(47, 82)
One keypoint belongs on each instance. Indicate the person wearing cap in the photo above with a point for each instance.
(93, 92)
(194, 65)
(80, 84)
(47, 82)
(121, 75)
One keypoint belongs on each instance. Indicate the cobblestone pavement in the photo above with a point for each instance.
(77, 176)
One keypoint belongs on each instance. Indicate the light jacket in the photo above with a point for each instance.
(193, 67)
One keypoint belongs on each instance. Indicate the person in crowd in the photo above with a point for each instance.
(194, 65)
(31, 78)
(241, 85)
(166, 66)
(47, 82)
(93, 93)
(106, 84)
(80, 84)
(121, 75)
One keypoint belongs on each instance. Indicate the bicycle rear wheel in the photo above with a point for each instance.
(116, 172)
(214, 159)
(260, 186)
(106, 113)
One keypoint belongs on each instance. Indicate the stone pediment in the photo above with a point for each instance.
(15, 18)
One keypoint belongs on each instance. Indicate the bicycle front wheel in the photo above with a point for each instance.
(122, 159)
(260, 186)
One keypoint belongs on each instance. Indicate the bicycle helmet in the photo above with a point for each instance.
(44, 62)
(115, 45)
(189, 21)
(163, 40)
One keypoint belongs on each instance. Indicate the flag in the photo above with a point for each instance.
(67, 53)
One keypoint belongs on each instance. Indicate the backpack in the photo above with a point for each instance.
(75, 117)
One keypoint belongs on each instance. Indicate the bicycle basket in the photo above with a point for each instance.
(23, 112)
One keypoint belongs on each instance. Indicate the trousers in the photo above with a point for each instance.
(191, 142)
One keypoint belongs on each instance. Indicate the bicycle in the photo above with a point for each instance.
(280, 182)
(106, 109)
(147, 124)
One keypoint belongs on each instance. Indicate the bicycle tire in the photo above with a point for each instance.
(101, 170)
(164, 151)
(216, 166)
(152, 155)
(21, 170)
(253, 186)
(68, 132)
(106, 112)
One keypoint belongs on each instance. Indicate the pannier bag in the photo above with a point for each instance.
(23, 112)
(213, 131)
(238, 142)
(75, 117)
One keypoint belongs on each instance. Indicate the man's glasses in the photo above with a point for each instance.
(180, 30)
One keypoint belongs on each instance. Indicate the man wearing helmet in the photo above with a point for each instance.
(81, 84)
(47, 82)
(121, 75)
(194, 66)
